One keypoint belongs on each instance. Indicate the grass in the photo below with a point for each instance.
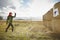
(24, 30)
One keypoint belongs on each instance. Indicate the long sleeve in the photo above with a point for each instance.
(14, 15)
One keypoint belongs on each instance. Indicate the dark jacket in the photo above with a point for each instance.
(10, 19)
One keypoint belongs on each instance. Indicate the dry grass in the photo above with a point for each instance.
(24, 30)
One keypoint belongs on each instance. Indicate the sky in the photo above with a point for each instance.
(26, 8)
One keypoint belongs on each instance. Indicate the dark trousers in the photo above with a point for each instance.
(10, 24)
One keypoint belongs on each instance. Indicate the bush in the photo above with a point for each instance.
(1, 17)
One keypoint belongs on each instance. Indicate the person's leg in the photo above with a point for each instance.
(7, 27)
(12, 27)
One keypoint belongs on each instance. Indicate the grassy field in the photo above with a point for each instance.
(25, 30)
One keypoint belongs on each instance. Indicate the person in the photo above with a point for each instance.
(9, 21)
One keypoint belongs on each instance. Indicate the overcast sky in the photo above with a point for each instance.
(26, 8)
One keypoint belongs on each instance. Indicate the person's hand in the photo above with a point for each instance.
(15, 13)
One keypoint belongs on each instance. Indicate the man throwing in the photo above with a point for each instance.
(9, 21)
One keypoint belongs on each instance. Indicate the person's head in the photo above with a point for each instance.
(10, 13)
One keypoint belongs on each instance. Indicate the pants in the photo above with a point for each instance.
(10, 24)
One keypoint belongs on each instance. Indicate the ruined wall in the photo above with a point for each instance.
(56, 20)
(51, 22)
(47, 19)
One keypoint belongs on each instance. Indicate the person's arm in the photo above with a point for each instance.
(14, 15)
(7, 20)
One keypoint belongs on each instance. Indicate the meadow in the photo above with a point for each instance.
(25, 30)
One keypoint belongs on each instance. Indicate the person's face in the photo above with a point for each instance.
(10, 13)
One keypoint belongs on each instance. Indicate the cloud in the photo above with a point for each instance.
(25, 3)
(4, 3)
(0, 10)
(55, 1)
(27, 8)
(11, 6)
(3, 7)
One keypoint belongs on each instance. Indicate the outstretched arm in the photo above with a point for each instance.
(14, 15)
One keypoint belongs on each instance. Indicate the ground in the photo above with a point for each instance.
(25, 30)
